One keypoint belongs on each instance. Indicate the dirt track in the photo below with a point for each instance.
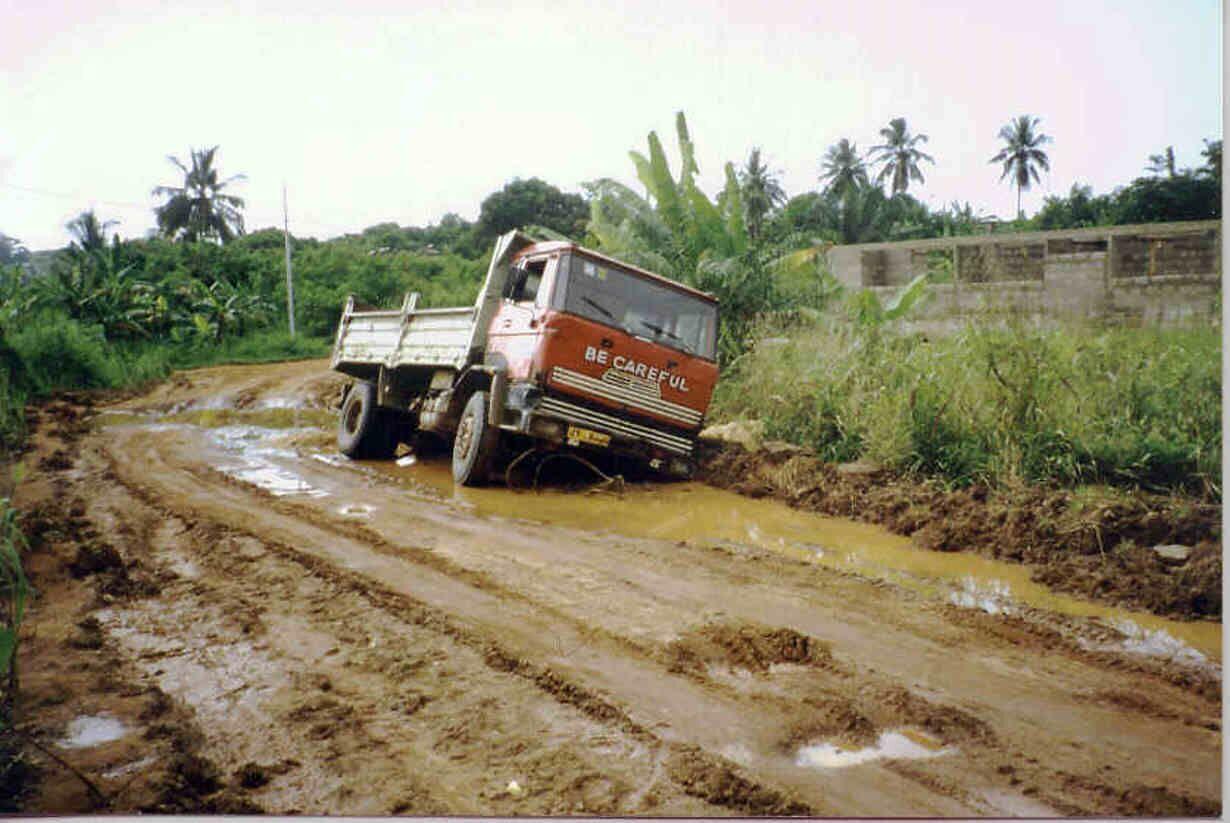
(295, 633)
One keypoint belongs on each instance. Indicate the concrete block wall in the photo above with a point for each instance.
(1168, 273)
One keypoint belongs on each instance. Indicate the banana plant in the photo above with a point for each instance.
(222, 307)
(868, 312)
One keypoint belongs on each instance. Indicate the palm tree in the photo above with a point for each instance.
(843, 168)
(199, 210)
(898, 157)
(89, 234)
(1021, 154)
(761, 193)
(1164, 162)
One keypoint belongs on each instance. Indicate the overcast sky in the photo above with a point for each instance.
(403, 111)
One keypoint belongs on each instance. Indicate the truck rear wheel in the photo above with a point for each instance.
(364, 431)
(475, 443)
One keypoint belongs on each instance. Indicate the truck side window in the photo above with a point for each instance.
(524, 282)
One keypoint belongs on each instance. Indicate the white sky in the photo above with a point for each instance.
(403, 111)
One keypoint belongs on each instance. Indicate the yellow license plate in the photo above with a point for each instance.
(577, 435)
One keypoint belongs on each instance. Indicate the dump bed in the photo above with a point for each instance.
(409, 336)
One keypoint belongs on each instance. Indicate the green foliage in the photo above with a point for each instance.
(14, 592)
(12, 252)
(255, 347)
(899, 156)
(679, 232)
(1022, 154)
(12, 408)
(842, 169)
(523, 203)
(199, 210)
(1071, 406)
(1079, 209)
(867, 312)
(58, 352)
(761, 193)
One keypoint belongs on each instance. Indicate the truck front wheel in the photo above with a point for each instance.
(364, 431)
(475, 443)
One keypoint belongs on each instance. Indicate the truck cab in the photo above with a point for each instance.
(567, 349)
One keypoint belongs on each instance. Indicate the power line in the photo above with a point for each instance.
(78, 197)
(310, 220)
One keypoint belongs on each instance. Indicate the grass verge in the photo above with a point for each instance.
(1004, 406)
(50, 352)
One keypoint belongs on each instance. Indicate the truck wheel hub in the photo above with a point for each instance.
(465, 433)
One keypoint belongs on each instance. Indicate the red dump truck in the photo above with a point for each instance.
(564, 348)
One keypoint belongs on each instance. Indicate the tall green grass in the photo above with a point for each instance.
(14, 591)
(1073, 405)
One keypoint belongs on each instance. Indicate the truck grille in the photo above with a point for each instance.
(636, 393)
(588, 417)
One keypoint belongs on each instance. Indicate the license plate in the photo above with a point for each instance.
(577, 435)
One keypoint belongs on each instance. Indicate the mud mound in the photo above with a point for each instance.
(95, 557)
(1091, 544)
(948, 723)
(714, 781)
(830, 718)
(56, 461)
(745, 646)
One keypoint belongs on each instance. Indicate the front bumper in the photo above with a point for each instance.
(527, 411)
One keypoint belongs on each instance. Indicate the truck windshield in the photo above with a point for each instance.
(642, 307)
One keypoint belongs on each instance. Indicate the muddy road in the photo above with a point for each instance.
(232, 617)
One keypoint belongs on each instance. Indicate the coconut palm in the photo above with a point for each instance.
(1021, 154)
(89, 233)
(898, 156)
(1162, 163)
(842, 168)
(761, 193)
(199, 210)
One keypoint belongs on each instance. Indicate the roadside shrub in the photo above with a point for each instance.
(943, 443)
(12, 414)
(59, 352)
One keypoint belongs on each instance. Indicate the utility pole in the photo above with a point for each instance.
(290, 279)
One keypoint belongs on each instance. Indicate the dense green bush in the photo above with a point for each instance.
(61, 353)
(1076, 405)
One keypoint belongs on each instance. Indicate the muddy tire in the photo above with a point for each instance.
(364, 431)
(475, 443)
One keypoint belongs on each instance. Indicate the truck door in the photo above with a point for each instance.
(516, 328)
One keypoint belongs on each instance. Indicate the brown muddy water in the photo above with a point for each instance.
(266, 448)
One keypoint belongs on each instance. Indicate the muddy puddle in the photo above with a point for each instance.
(906, 744)
(264, 445)
(88, 731)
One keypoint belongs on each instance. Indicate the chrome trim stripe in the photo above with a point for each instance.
(589, 417)
(620, 394)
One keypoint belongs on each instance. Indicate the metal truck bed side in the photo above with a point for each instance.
(423, 338)
(435, 338)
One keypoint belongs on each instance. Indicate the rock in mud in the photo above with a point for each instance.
(747, 433)
(1173, 551)
(859, 468)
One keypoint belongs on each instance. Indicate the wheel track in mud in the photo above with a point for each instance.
(543, 677)
(697, 773)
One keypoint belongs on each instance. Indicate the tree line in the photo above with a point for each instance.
(203, 278)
